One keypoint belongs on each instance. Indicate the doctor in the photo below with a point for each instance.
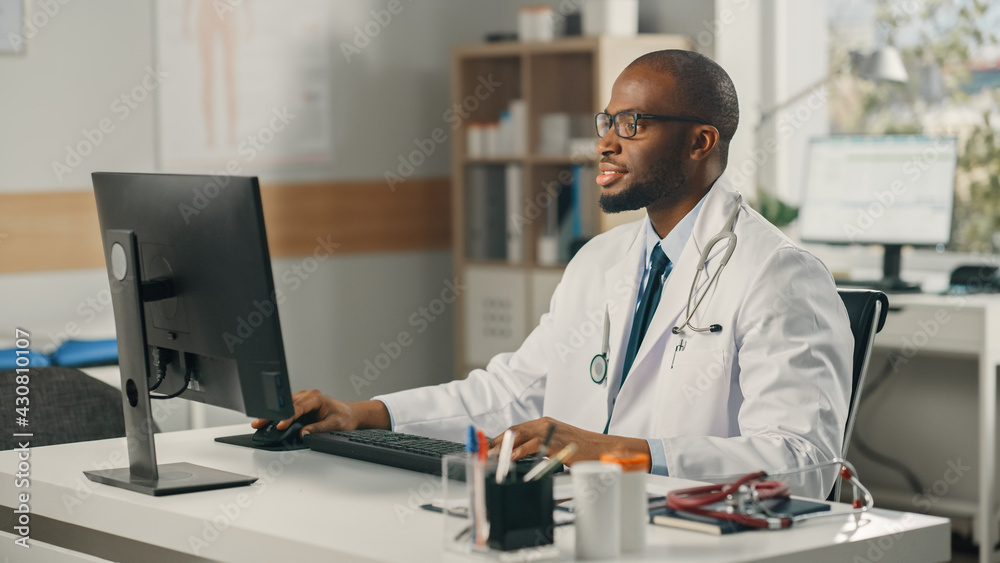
(715, 368)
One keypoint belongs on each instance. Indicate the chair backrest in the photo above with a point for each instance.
(867, 310)
(66, 405)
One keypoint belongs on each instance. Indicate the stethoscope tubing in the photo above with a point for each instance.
(696, 499)
(728, 233)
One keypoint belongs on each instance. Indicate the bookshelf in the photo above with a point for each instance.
(516, 206)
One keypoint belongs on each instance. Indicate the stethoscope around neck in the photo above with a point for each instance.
(599, 365)
(728, 234)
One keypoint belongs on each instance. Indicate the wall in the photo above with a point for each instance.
(800, 62)
(737, 32)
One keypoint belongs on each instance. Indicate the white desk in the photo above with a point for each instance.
(310, 505)
(964, 326)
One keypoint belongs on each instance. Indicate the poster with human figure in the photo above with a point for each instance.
(246, 84)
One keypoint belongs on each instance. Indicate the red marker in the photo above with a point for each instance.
(483, 444)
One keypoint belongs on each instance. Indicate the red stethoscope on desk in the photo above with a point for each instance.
(743, 499)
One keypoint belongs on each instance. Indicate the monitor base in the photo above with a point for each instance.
(174, 478)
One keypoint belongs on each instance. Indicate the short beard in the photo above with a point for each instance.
(665, 181)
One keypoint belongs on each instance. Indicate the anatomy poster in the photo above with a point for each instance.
(245, 83)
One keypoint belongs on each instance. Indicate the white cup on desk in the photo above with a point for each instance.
(597, 509)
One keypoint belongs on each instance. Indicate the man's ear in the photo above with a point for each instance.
(705, 137)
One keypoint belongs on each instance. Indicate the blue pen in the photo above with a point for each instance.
(471, 441)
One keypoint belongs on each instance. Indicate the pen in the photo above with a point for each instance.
(483, 443)
(479, 489)
(544, 450)
(543, 469)
(506, 447)
(678, 348)
(470, 440)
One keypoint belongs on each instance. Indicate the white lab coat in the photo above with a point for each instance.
(769, 392)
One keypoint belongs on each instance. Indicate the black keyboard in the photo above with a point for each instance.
(396, 449)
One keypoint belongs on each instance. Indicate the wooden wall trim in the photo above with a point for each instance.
(46, 231)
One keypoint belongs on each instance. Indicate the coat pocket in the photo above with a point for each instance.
(695, 391)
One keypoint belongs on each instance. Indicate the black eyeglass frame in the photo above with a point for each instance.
(613, 120)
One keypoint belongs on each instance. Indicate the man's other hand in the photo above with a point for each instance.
(529, 436)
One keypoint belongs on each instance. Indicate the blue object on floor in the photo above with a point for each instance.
(82, 353)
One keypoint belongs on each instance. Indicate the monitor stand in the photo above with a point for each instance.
(890, 282)
(143, 475)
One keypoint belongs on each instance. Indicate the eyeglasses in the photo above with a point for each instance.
(624, 122)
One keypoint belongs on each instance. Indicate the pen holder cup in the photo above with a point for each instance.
(511, 515)
(519, 513)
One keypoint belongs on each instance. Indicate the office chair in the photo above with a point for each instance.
(65, 405)
(867, 310)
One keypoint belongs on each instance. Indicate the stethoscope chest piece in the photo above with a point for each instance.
(599, 368)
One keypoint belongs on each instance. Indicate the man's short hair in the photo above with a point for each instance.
(704, 90)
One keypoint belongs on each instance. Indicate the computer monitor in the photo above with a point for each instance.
(196, 313)
(891, 190)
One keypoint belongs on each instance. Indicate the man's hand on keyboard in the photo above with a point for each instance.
(528, 438)
(333, 414)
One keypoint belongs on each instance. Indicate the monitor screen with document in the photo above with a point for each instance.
(891, 190)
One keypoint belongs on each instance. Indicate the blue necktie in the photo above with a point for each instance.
(661, 265)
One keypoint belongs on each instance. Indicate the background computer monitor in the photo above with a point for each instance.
(890, 190)
(195, 307)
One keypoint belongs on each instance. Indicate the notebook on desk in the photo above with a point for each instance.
(664, 516)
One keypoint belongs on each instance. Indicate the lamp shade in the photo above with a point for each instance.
(883, 65)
